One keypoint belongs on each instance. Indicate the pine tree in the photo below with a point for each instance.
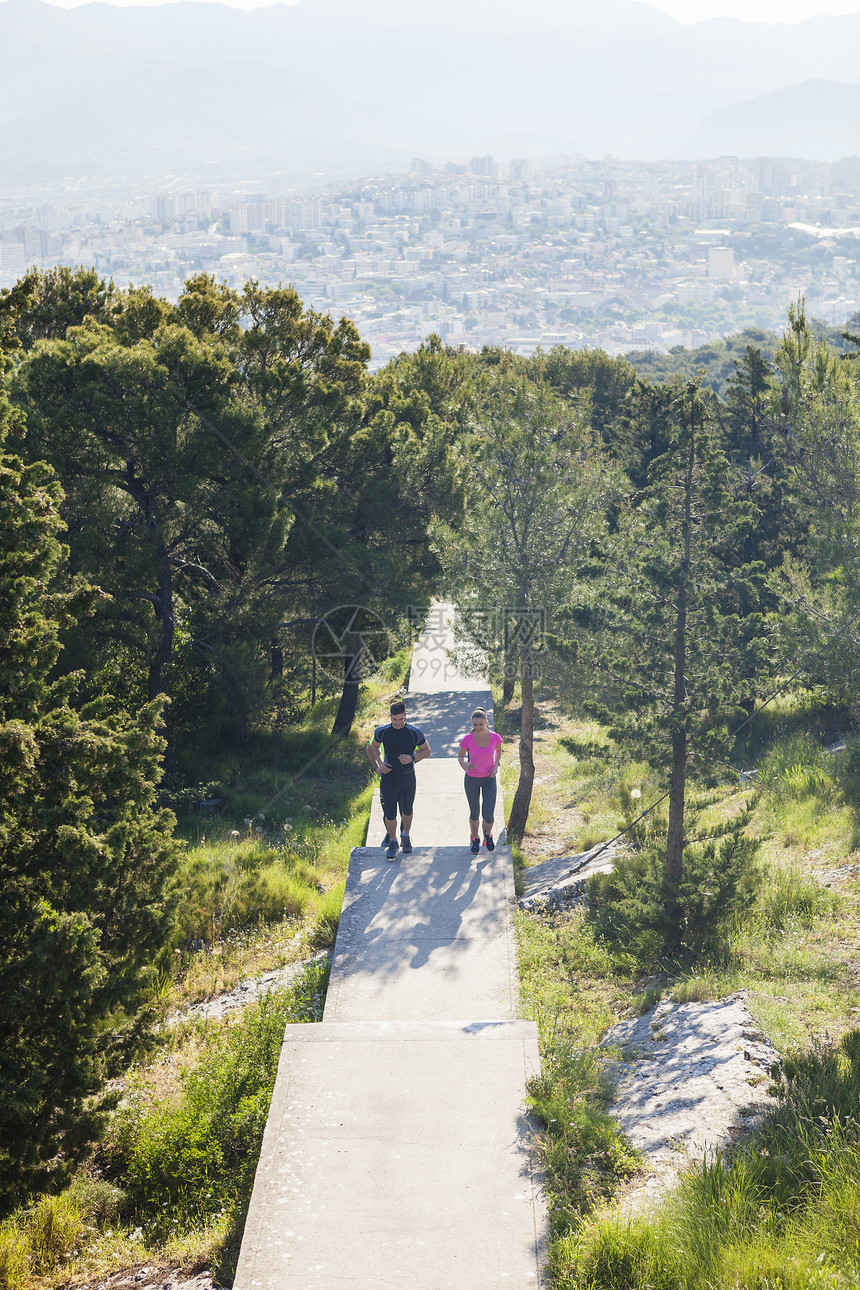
(85, 856)
(535, 481)
(675, 650)
(816, 403)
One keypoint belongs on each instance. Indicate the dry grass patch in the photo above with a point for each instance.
(244, 953)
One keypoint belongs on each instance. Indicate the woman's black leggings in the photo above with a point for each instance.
(475, 787)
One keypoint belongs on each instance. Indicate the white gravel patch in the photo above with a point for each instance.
(154, 1278)
(692, 1078)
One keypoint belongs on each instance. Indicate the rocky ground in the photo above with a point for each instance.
(560, 884)
(153, 1277)
(244, 993)
(691, 1079)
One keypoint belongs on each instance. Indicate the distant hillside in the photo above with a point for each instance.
(822, 116)
(716, 361)
(339, 85)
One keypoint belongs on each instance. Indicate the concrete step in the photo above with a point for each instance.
(426, 937)
(396, 1157)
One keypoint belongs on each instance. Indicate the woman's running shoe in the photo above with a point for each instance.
(391, 849)
(476, 846)
(405, 843)
(488, 842)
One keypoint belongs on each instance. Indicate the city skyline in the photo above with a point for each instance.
(618, 255)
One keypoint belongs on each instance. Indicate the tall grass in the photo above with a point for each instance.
(568, 987)
(236, 890)
(786, 895)
(780, 1213)
(328, 917)
(44, 1237)
(798, 767)
(582, 1152)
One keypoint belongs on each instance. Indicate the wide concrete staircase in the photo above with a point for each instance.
(396, 1149)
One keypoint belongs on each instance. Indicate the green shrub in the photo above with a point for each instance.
(630, 906)
(642, 832)
(182, 1162)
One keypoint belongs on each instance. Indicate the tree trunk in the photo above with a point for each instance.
(675, 837)
(507, 686)
(522, 798)
(678, 779)
(677, 792)
(677, 782)
(349, 695)
(160, 661)
(159, 665)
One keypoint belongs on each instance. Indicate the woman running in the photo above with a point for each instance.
(480, 754)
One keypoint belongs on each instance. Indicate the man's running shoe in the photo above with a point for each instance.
(488, 842)
(391, 849)
(405, 843)
(476, 846)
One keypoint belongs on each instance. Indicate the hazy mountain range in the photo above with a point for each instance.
(359, 85)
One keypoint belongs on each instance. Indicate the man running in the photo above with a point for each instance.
(402, 745)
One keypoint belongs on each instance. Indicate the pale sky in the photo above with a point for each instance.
(754, 10)
(684, 10)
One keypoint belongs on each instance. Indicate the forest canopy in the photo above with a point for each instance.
(189, 491)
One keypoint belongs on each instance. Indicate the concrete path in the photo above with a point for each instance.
(426, 939)
(396, 1149)
(440, 700)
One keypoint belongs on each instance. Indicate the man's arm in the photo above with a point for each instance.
(422, 751)
(373, 749)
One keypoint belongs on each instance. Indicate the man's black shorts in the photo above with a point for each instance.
(397, 790)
